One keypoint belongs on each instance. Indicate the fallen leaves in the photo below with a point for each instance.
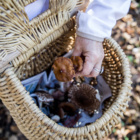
(130, 47)
(138, 88)
(123, 132)
(127, 34)
(137, 98)
(129, 30)
(121, 26)
(133, 70)
(132, 40)
(130, 112)
(131, 127)
(134, 5)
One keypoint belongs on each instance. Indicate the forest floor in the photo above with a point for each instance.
(127, 34)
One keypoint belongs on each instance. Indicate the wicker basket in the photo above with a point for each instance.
(31, 47)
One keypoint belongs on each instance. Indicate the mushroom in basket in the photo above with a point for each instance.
(84, 97)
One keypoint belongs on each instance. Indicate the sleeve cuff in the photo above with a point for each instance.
(91, 37)
(91, 27)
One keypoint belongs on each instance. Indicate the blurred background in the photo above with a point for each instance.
(127, 34)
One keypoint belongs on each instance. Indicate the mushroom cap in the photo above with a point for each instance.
(68, 107)
(84, 97)
(63, 69)
(61, 113)
(44, 97)
(57, 94)
(77, 63)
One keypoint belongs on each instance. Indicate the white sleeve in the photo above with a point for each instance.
(100, 17)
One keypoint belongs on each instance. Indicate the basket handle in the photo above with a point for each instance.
(81, 7)
(9, 57)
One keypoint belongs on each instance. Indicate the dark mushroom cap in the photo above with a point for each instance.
(68, 107)
(57, 94)
(44, 97)
(84, 97)
(63, 69)
(61, 113)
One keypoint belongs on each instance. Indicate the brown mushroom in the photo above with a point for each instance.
(77, 63)
(44, 97)
(63, 69)
(61, 113)
(84, 97)
(68, 107)
(57, 94)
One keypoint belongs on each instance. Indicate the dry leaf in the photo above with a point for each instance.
(137, 55)
(137, 97)
(122, 26)
(128, 17)
(131, 127)
(127, 131)
(133, 70)
(138, 30)
(130, 112)
(132, 40)
(126, 36)
(138, 88)
(130, 30)
(134, 24)
(130, 47)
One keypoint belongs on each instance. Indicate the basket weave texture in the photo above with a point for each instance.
(39, 46)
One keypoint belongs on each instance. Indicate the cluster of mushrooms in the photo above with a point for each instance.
(65, 68)
(74, 93)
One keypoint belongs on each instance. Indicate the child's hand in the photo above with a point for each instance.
(93, 53)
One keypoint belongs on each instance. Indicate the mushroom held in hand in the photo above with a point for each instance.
(63, 69)
(84, 97)
(44, 97)
(77, 63)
